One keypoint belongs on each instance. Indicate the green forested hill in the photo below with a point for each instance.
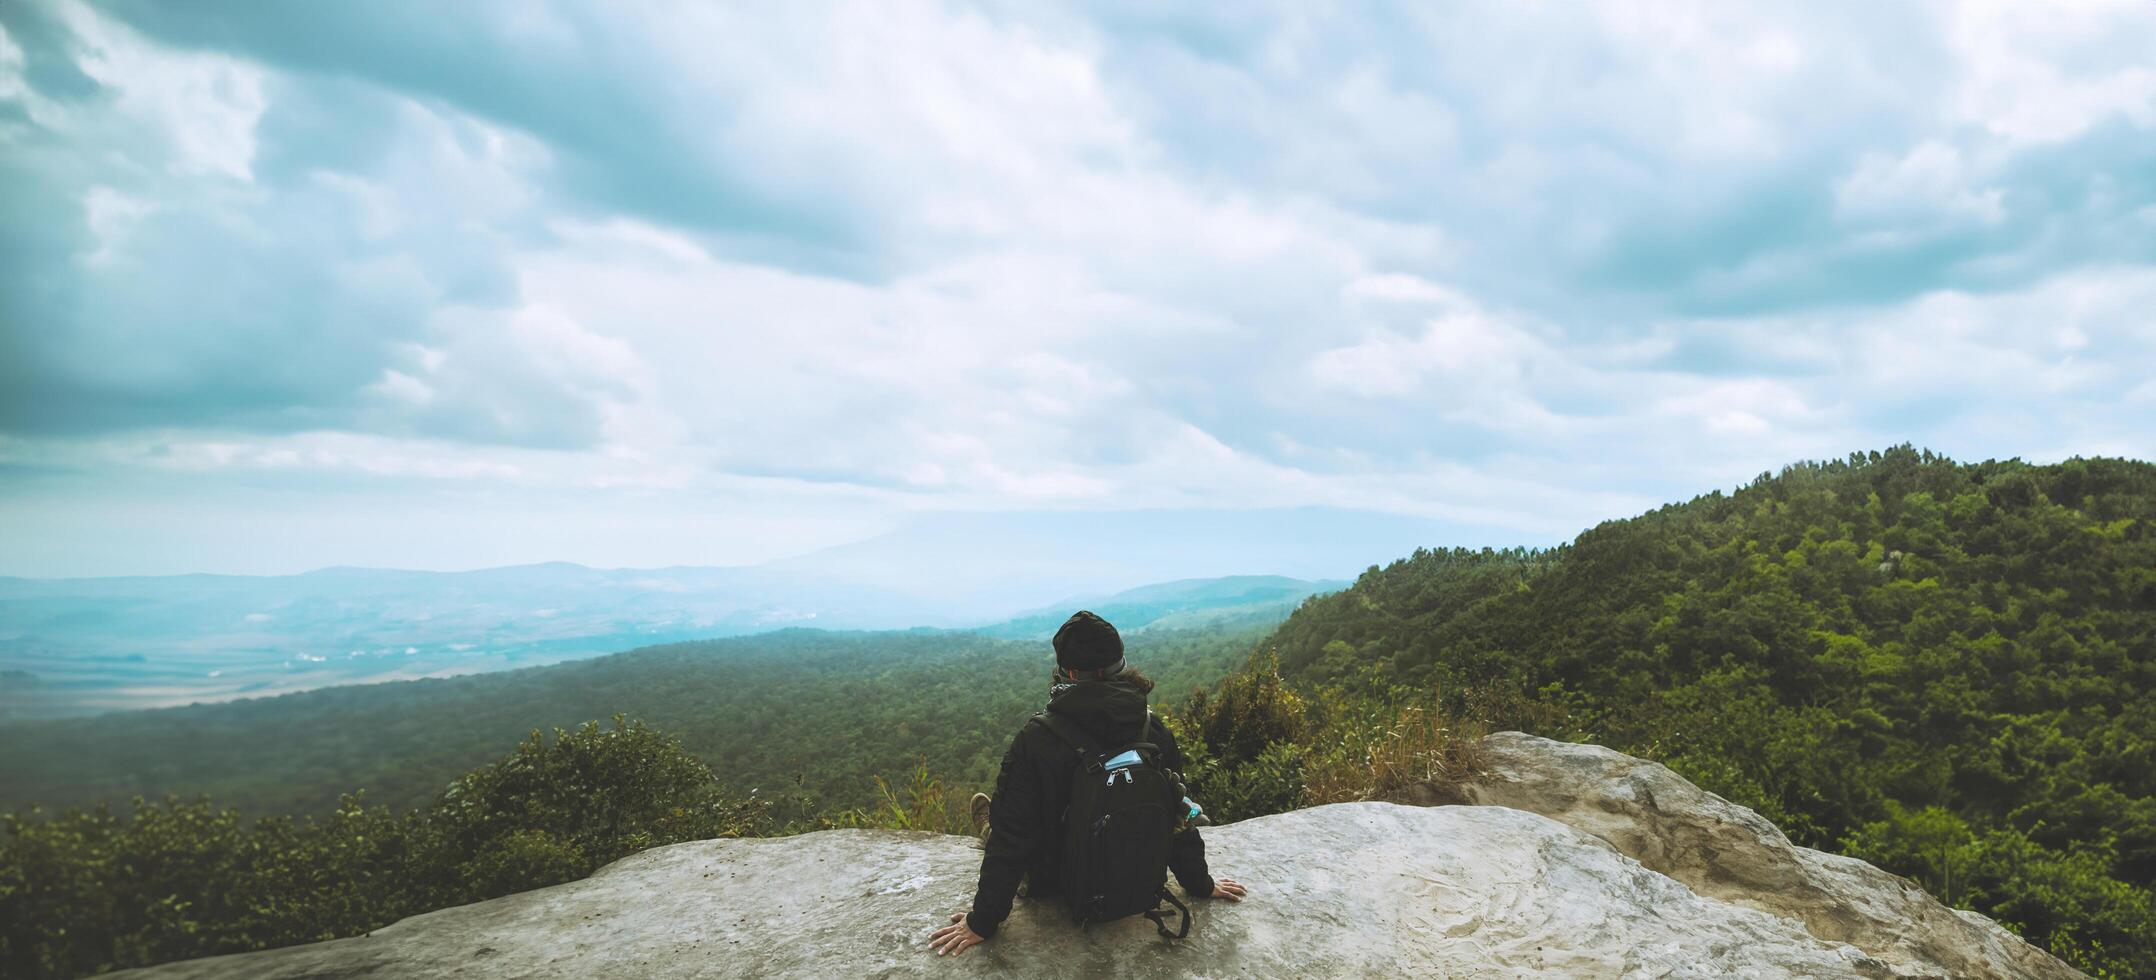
(1944, 668)
(779, 713)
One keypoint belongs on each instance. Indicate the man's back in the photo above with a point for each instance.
(1033, 790)
(1100, 695)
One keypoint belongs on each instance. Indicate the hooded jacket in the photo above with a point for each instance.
(1033, 788)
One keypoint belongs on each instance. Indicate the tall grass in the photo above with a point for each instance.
(1375, 754)
(921, 802)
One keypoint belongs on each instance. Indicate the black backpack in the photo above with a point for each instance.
(1117, 829)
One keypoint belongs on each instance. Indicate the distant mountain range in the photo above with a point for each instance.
(978, 567)
(83, 646)
(87, 645)
(1186, 604)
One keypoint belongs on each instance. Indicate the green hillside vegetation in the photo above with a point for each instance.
(95, 890)
(1945, 669)
(798, 712)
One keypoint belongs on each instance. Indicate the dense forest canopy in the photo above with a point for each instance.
(797, 711)
(1944, 668)
(790, 731)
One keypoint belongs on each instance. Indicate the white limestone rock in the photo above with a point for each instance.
(1353, 889)
(1727, 852)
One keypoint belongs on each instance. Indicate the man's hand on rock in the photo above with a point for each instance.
(1230, 889)
(958, 937)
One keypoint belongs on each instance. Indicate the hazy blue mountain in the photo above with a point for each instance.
(982, 566)
(1181, 604)
(82, 646)
(79, 646)
(74, 646)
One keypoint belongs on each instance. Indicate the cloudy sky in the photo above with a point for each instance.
(449, 285)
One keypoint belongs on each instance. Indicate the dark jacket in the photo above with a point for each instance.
(1026, 815)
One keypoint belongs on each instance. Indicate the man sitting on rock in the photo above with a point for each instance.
(1104, 698)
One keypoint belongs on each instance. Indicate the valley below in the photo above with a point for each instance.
(71, 647)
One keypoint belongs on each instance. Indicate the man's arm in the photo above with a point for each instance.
(1014, 836)
(1186, 853)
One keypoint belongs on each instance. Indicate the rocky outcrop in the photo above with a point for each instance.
(1353, 889)
(1639, 874)
(1727, 852)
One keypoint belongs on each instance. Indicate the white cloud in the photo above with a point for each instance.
(206, 106)
(403, 389)
(1446, 261)
(1468, 353)
(2046, 73)
(12, 85)
(1744, 409)
(110, 215)
(1932, 178)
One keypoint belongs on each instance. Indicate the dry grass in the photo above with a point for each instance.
(922, 803)
(1367, 761)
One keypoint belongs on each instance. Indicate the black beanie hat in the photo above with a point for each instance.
(1087, 642)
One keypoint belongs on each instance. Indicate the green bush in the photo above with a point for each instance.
(594, 793)
(1246, 713)
(1240, 743)
(86, 891)
(522, 860)
(1270, 783)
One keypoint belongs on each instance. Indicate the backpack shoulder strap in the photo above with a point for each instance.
(1159, 915)
(1071, 735)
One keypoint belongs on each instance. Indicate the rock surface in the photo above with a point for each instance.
(1353, 889)
(1632, 872)
(1727, 852)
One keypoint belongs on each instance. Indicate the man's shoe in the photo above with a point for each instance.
(979, 809)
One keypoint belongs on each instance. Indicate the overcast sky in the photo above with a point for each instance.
(444, 285)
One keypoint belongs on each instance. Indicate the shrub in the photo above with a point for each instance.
(1377, 751)
(1248, 712)
(87, 891)
(601, 793)
(522, 860)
